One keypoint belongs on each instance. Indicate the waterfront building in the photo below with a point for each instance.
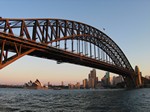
(85, 83)
(93, 80)
(35, 85)
(93, 73)
(71, 86)
(111, 80)
(91, 83)
(117, 79)
(62, 83)
(77, 85)
(99, 85)
(106, 80)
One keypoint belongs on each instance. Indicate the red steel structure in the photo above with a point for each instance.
(63, 41)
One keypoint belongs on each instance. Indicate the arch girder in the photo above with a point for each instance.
(47, 30)
(100, 44)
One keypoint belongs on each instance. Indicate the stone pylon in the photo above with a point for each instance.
(138, 77)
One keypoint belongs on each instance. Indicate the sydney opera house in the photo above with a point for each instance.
(34, 85)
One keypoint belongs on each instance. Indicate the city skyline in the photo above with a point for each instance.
(128, 27)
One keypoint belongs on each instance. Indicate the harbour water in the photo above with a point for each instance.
(103, 100)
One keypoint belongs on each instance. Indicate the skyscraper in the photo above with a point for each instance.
(85, 83)
(93, 80)
(106, 79)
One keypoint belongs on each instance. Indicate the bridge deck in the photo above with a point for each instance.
(60, 55)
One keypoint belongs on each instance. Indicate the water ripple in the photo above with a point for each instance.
(105, 100)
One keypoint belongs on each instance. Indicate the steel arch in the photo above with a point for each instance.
(64, 29)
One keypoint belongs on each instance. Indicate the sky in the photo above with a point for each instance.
(126, 22)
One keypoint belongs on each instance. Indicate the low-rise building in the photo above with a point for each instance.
(71, 86)
(77, 85)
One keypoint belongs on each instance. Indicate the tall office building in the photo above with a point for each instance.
(85, 83)
(91, 83)
(106, 79)
(93, 73)
(93, 80)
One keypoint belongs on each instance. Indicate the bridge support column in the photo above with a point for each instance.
(138, 77)
(129, 81)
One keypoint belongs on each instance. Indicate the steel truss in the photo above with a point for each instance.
(64, 41)
(48, 31)
(27, 36)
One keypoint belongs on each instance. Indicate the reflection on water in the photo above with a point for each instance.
(104, 100)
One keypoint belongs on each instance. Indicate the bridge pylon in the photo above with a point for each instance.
(129, 81)
(134, 80)
(138, 77)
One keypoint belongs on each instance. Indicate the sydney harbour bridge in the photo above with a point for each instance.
(64, 41)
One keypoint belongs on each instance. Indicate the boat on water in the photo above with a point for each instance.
(56, 88)
(34, 85)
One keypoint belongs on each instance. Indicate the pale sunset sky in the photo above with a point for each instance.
(127, 22)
